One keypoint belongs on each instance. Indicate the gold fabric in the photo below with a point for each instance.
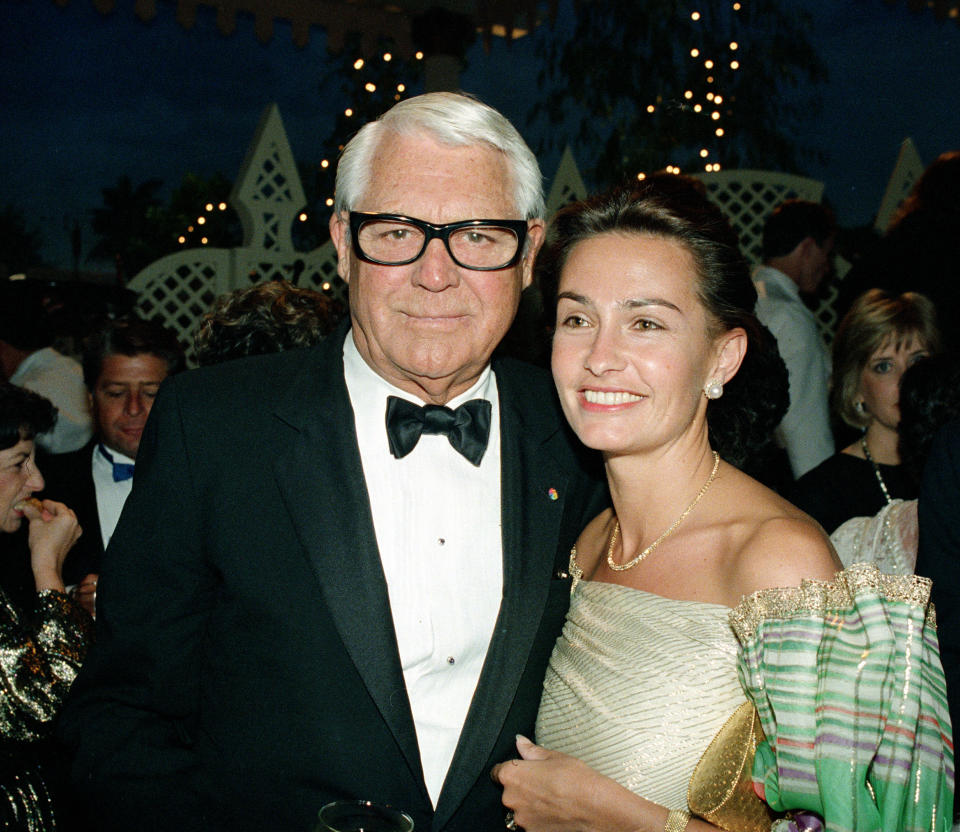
(40, 655)
(721, 789)
(638, 685)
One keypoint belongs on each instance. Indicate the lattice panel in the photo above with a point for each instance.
(567, 184)
(177, 289)
(748, 196)
(907, 170)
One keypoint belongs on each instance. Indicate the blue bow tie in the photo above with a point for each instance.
(121, 470)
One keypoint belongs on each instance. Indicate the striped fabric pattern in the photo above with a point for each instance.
(638, 686)
(847, 680)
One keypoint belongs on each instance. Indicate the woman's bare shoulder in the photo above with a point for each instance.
(780, 545)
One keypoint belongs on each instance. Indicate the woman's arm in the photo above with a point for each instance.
(553, 792)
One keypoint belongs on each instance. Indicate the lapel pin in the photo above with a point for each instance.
(552, 494)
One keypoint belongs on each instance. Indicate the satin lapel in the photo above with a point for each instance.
(532, 489)
(321, 480)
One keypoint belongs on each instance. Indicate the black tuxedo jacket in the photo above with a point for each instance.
(938, 555)
(246, 670)
(69, 480)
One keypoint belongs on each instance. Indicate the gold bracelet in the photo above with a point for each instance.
(677, 820)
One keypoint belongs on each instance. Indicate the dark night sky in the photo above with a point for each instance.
(85, 98)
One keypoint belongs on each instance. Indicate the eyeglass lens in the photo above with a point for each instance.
(483, 247)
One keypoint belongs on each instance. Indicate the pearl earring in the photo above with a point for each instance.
(714, 389)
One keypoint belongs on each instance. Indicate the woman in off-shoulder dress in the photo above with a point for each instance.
(658, 688)
(41, 647)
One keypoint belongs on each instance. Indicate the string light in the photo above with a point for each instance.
(704, 153)
(688, 94)
(708, 64)
(694, 53)
(358, 63)
(650, 108)
(418, 56)
(695, 16)
(641, 176)
(387, 56)
(222, 206)
(208, 206)
(348, 112)
(329, 202)
(303, 216)
(201, 220)
(370, 87)
(325, 163)
(204, 240)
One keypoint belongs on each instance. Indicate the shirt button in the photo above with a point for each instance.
(441, 540)
(451, 660)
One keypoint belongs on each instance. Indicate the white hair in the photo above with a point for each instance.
(454, 119)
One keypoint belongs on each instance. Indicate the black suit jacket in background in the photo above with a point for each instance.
(246, 670)
(69, 480)
(938, 555)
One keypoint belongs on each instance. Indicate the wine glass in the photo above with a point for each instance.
(362, 816)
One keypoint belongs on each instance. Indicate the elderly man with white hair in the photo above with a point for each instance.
(341, 570)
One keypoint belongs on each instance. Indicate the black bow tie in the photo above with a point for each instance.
(467, 427)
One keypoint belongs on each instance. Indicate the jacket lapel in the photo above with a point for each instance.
(532, 489)
(320, 477)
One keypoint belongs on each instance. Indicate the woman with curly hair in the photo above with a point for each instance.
(685, 591)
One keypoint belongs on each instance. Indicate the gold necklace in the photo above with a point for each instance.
(620, 567)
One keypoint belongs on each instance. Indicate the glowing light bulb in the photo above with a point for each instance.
(688, 94)
(369, 87)
(718, 99)
(325, 163)
(358, 63)
(190, 229)
(704, 153)
(695, 16)
(734, 46)
(715, 115)
(204, 240)
(208, 206)
(697, 108)
(641, 176)
(708, 64)
(694, 53)
(303, 216)
(650, 108)
(710, 96)
(329, 201)
(201, 220)
(719, 131)
(401, 87)
(325, 287)
(181, 239)
(387, 56)
(222, 206)
(348, 112)
(418, 56)
(734, 64)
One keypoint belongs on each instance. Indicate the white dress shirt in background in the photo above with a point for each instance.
(805, 430)
(60, 379)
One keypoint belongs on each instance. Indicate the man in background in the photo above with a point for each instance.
(123, 366)
(798, 241)
(28, 360)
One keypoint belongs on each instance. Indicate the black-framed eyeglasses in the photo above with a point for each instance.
(396, 240)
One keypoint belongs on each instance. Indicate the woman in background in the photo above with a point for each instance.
(41, 649)
(878, 339)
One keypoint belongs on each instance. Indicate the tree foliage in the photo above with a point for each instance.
(134, 226)
(634, 86)
(19, 245)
